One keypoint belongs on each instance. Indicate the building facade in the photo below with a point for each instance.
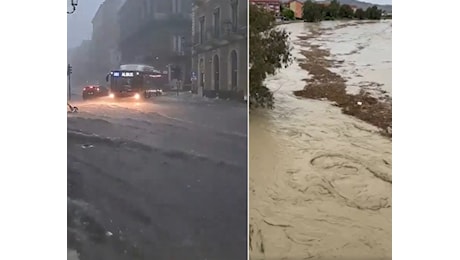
(297, 7)
(219, 62)
(158, 33)
(270, 5)
(105, 38)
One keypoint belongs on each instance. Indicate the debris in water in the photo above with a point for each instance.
(108, 233)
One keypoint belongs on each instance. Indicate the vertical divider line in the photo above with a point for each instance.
(247, 124)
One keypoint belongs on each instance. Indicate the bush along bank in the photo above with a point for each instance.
(316, 12)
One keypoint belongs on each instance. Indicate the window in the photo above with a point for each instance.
(202, 32)
(234, 15)
(178, 44)
(216, 22)
(176, 6)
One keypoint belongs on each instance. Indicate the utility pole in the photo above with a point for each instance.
(69, 72)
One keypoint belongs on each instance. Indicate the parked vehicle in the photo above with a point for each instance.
(94, 91)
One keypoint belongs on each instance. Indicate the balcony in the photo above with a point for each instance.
(211, 38)
(232, 32)
(215, 37)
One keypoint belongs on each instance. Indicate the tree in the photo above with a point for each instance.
(322, 10)
(360, 14)
(312, 12)
(346, 12)
(270, 51)
(376, 12)
(332, 10)
(373, 13)
(288, 13)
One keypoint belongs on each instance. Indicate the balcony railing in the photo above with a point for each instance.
(227, 31)
(231, 29)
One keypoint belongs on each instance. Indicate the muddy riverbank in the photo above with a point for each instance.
(324, 84)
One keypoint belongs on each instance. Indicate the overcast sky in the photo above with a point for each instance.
(79, 26)
(380, 2)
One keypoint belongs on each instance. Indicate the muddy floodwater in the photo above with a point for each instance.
(321, 180)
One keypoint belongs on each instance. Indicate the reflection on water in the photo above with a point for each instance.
(320, 180)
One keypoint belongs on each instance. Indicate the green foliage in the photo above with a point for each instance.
(346, 12)
(323, 12)
(315, 12)
(360, 14)
(288, 13)
(312, 12)
(269, 52)
(332, 10)
(373, 13)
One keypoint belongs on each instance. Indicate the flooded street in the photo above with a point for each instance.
(160, 179)
(320, 180)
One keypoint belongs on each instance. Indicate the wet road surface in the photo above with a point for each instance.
(165, 179)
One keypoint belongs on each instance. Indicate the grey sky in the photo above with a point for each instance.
(379, 2)
(79, 25)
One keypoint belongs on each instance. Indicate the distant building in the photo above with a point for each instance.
(80, 59)
(104, 39)
(158, 33)
(296, 6)
(219, 63)
(270, 5)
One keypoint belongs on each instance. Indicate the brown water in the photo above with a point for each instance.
(320, 181)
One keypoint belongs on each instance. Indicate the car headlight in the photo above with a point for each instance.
(137, 96)
(111, 95)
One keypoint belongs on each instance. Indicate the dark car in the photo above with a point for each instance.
(94, 91)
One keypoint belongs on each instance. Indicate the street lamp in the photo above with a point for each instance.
(74, 3)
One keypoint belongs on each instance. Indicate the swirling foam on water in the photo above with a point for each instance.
(320, 180)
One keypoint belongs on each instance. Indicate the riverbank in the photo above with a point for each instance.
(374, 107)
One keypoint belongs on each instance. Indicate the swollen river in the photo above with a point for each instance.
(320, 181)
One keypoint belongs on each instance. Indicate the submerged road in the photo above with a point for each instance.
(163, 179)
